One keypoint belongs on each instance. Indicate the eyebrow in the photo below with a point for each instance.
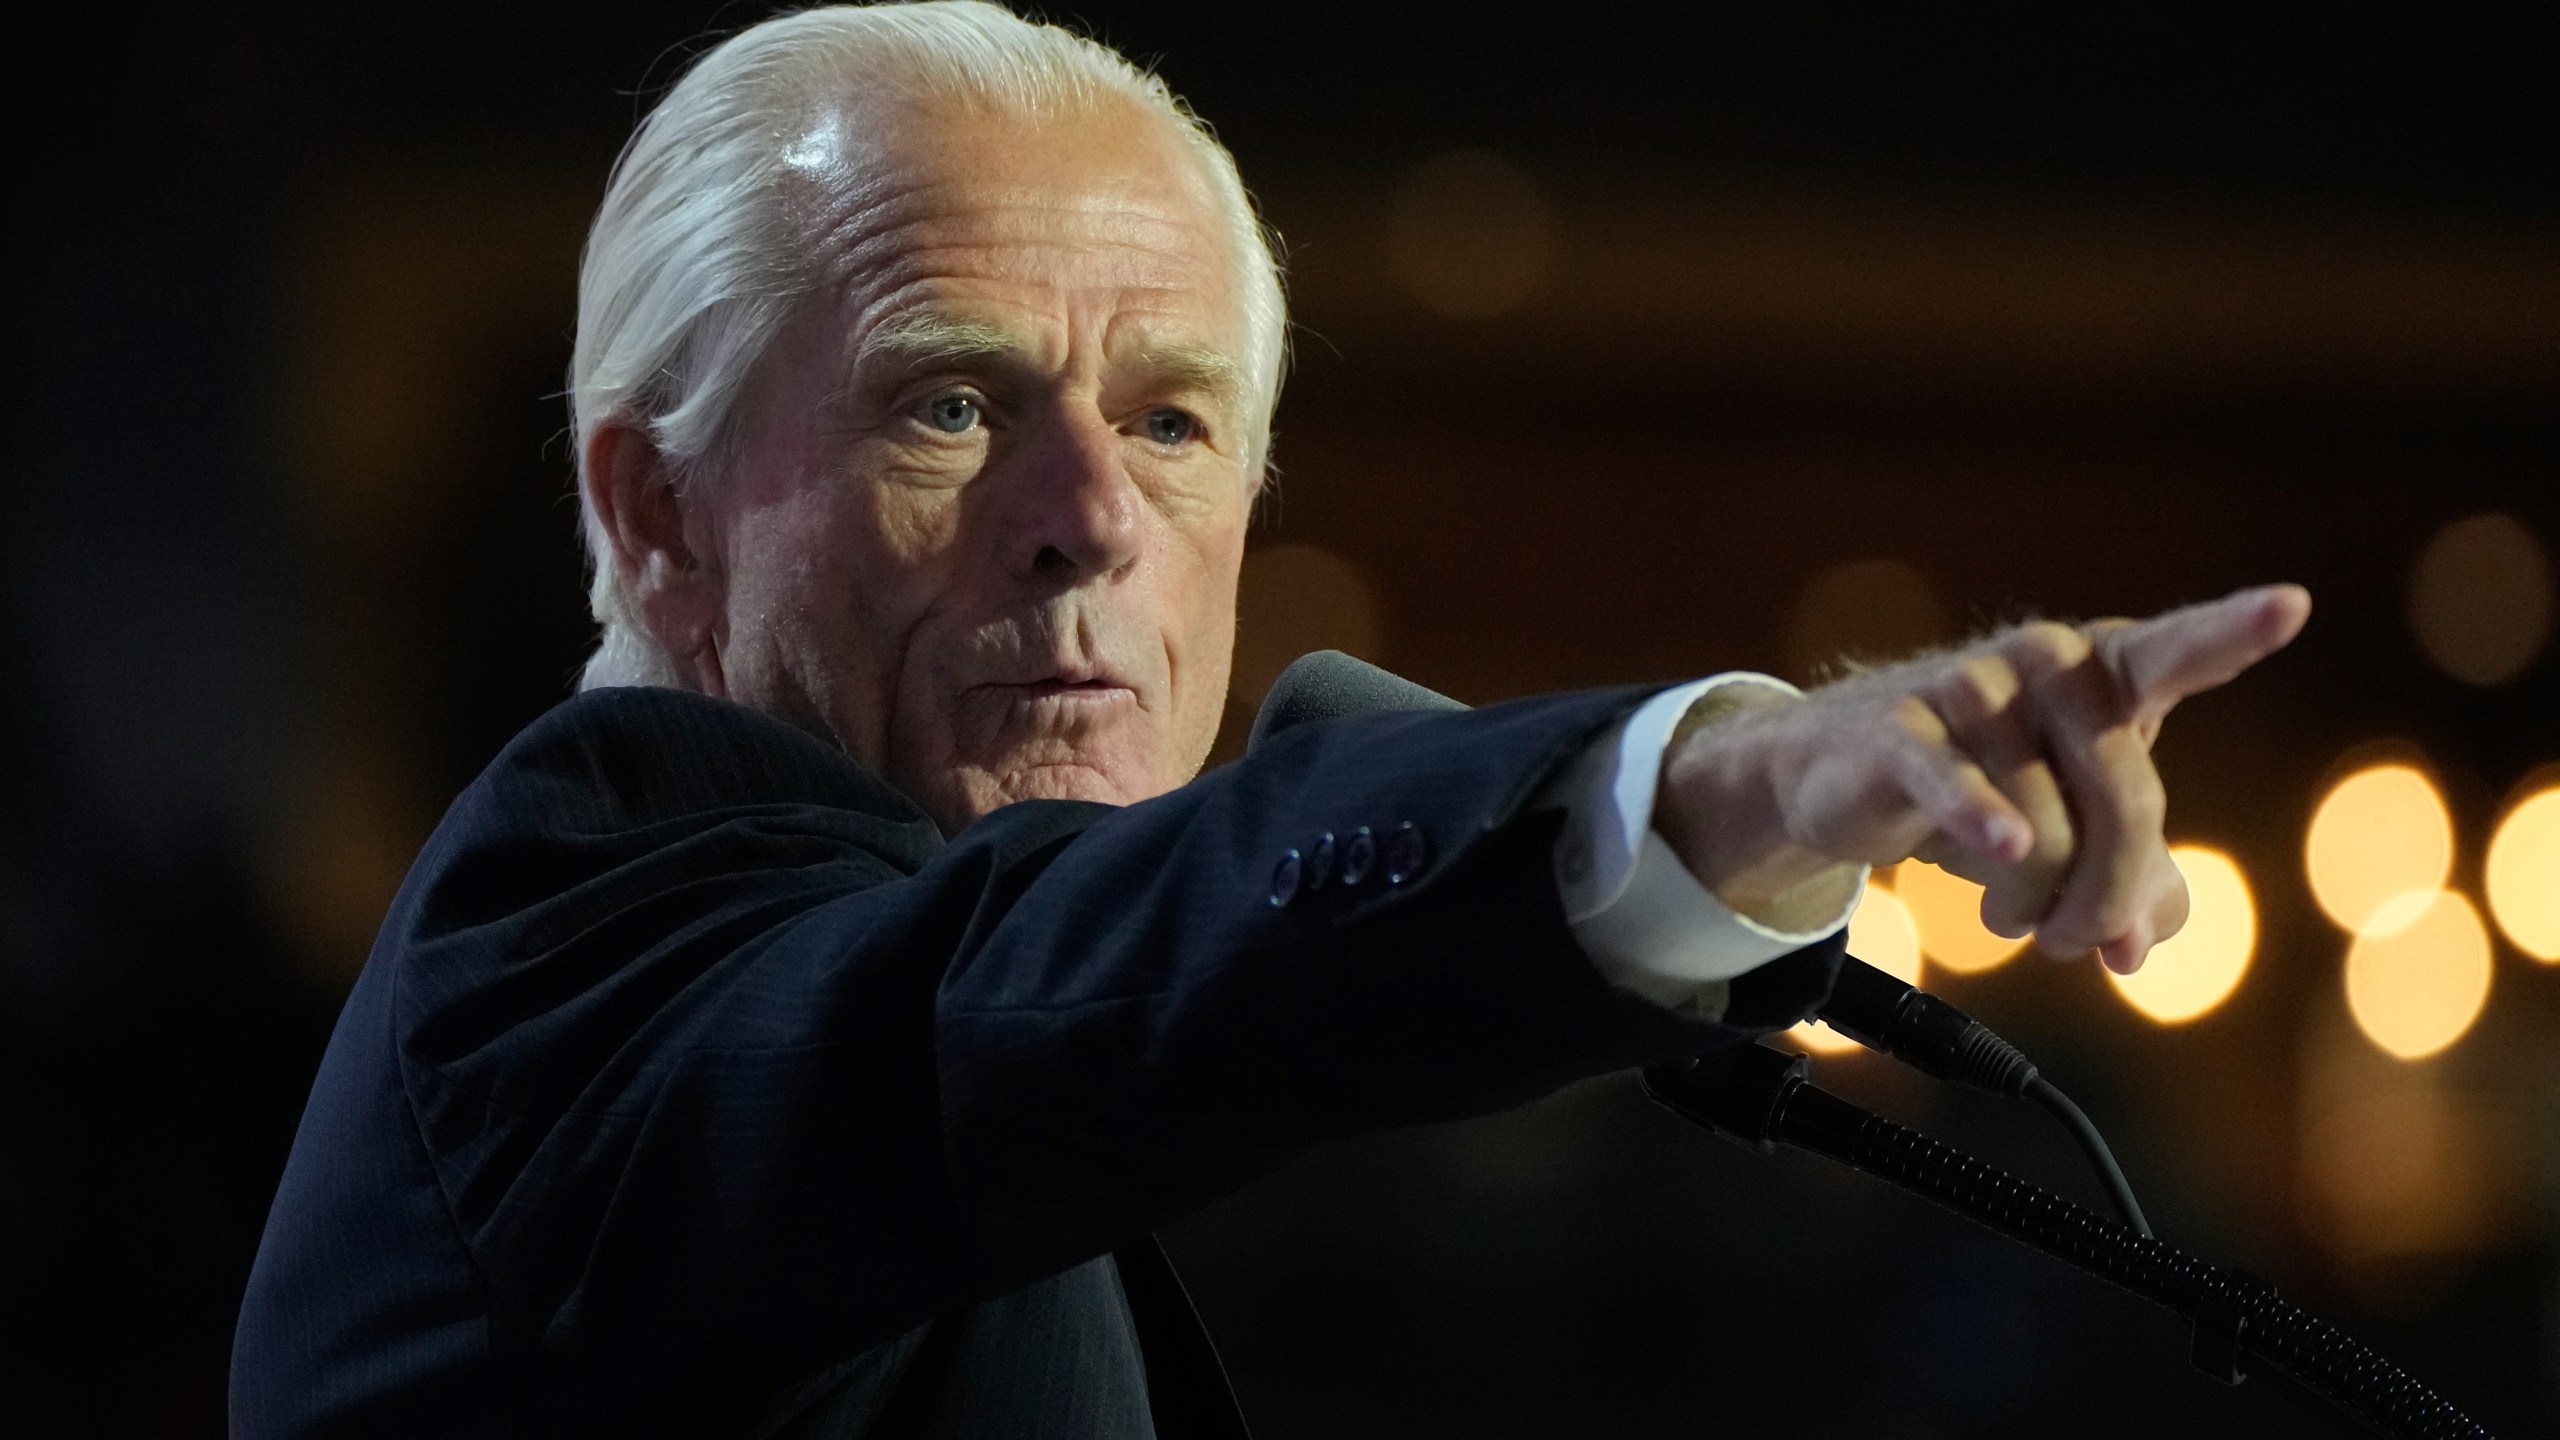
(925, 337)
(930, 337)
(1200, 367)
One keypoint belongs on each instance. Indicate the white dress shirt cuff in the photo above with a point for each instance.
(1648, 926)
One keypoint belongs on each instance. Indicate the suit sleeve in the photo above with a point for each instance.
(728, 1078)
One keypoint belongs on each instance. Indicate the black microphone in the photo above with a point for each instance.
(1919, 1029)
(1327, 683)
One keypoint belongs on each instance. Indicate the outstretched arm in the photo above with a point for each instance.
(716, 1076)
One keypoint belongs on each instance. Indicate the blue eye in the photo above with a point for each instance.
(1171, 427)
(952, 413)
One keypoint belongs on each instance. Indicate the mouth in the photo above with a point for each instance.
(1069, 690)
(1072, 687)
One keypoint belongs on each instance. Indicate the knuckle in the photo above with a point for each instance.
(2049, 644)
(1916, 721)
(1985, 684)
(2168, 922)
(2171, 900)
(2115, 917)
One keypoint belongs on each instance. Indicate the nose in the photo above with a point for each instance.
(1078, 514)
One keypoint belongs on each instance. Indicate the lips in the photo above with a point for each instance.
(1045, 689)
(1061, 676)
(1070, 683)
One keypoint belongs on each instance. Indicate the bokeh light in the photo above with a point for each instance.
(1947, 910)
(1880, 933)
(2193, 971)
(2418, 975)
(2523, 875)
(2480, 599)
(2379, 834)
(1470, 234)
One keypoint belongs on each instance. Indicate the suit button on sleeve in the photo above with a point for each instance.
(1320, 860)
(1359, 856)
(1285, 878)
(1408, 854)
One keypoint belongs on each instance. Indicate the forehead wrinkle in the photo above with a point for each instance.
(868, 229)
(903, 246)
(918, 308)
(1151, 212)
(889, 256)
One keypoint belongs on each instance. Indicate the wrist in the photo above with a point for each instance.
(1720, 815)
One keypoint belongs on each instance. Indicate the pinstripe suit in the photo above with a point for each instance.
(697, 1085)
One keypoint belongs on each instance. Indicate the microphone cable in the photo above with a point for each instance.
(1908, 1023)
(1761, 1097)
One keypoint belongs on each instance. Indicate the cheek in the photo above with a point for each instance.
(794, 559)
(827, 583)
(1209, 610)
(1203, 612)
(909, 532)
(899, 568)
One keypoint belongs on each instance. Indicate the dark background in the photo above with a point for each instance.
(2081, 308)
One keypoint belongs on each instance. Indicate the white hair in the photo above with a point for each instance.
(693, 263)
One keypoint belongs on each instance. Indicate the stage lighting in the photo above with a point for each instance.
(2418, 974)
(2523, 875)
(2378, 834)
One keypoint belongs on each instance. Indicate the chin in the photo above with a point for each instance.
(1071, 782)
(1109, 754)
(970, 789)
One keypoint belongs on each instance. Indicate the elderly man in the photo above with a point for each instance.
(801, 1031)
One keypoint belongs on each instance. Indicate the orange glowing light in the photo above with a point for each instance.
(2193, 971)
(2523, 875)
(1880, 933)
(2378, 834)
(2418, 975)
(1947, 909)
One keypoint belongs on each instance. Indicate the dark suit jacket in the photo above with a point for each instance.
(694, 1071)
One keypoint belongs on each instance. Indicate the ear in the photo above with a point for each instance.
(660, 547)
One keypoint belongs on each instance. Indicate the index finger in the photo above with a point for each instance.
(2163, 660)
